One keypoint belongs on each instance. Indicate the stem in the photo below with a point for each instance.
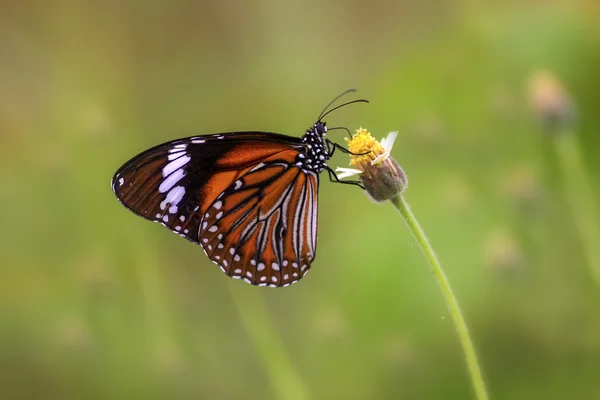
(287, 384)
(580, 197)
(461, 327)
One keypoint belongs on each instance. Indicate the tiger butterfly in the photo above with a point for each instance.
(248, 198)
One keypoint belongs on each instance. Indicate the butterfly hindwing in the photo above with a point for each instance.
(263, 227)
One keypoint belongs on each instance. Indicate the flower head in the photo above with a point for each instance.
(550, 101)
(379, 173)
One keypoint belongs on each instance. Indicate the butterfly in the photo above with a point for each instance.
(248, 198)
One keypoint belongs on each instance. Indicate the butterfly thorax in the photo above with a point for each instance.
(316, 151)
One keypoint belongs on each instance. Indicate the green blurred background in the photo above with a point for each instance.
(97, 303)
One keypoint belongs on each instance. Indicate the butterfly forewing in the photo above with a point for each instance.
(174, 183)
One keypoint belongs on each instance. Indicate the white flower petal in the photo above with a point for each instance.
(346, 172)
(380, 158)
(388, 142)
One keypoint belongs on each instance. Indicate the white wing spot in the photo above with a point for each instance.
(122, 181)
(159, 215)
(219, 215)
(174, 165)
(303, 267)
(294, 265)
(274, 278)
(249, 274)
(295, 274)
(171, 180)
(213, 228)
(253, 262)
(177, 228)
(260, 267)
(231, 251)
(236, 258)
(263, 278)
(204, 224)
(166, 218)
(220, 236)
(220, 246)
(218, 204)
(285, 263)
(204, 240)
(198, 141)
(185, 231)
(217, 257)
(237, 271)
(238, 184)
(247, 280)
(225, 263)
(209, 247)
(182, 218)
(173, 197)
(173, 209)
(174, 153)
(258, 166)
(275, 266)
(286, 277)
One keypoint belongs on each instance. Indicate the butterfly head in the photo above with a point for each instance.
(320, 128)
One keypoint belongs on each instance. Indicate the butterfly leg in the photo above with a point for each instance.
(334, 178)
(333, 145)
(340, 127)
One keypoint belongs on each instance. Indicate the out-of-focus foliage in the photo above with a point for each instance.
(97, 303)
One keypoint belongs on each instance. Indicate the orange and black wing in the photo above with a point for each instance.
(175, 183)
(263, 227)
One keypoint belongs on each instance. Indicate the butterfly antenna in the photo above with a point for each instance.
(340, 127)
(340, 106)
(345, 92)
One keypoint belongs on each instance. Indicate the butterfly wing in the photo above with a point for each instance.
(174, 183)
(263, 227)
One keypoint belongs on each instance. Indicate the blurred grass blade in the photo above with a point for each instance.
(579, 194)
(287, 384)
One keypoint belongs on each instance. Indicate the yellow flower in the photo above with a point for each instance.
(379, 173)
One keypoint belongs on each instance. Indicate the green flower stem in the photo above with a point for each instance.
(580, 197)
(461, 327)
(286, 381)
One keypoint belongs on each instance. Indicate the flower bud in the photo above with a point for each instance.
(381, 175)
(551, 102)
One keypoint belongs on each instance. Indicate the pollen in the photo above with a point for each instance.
(364, 148)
